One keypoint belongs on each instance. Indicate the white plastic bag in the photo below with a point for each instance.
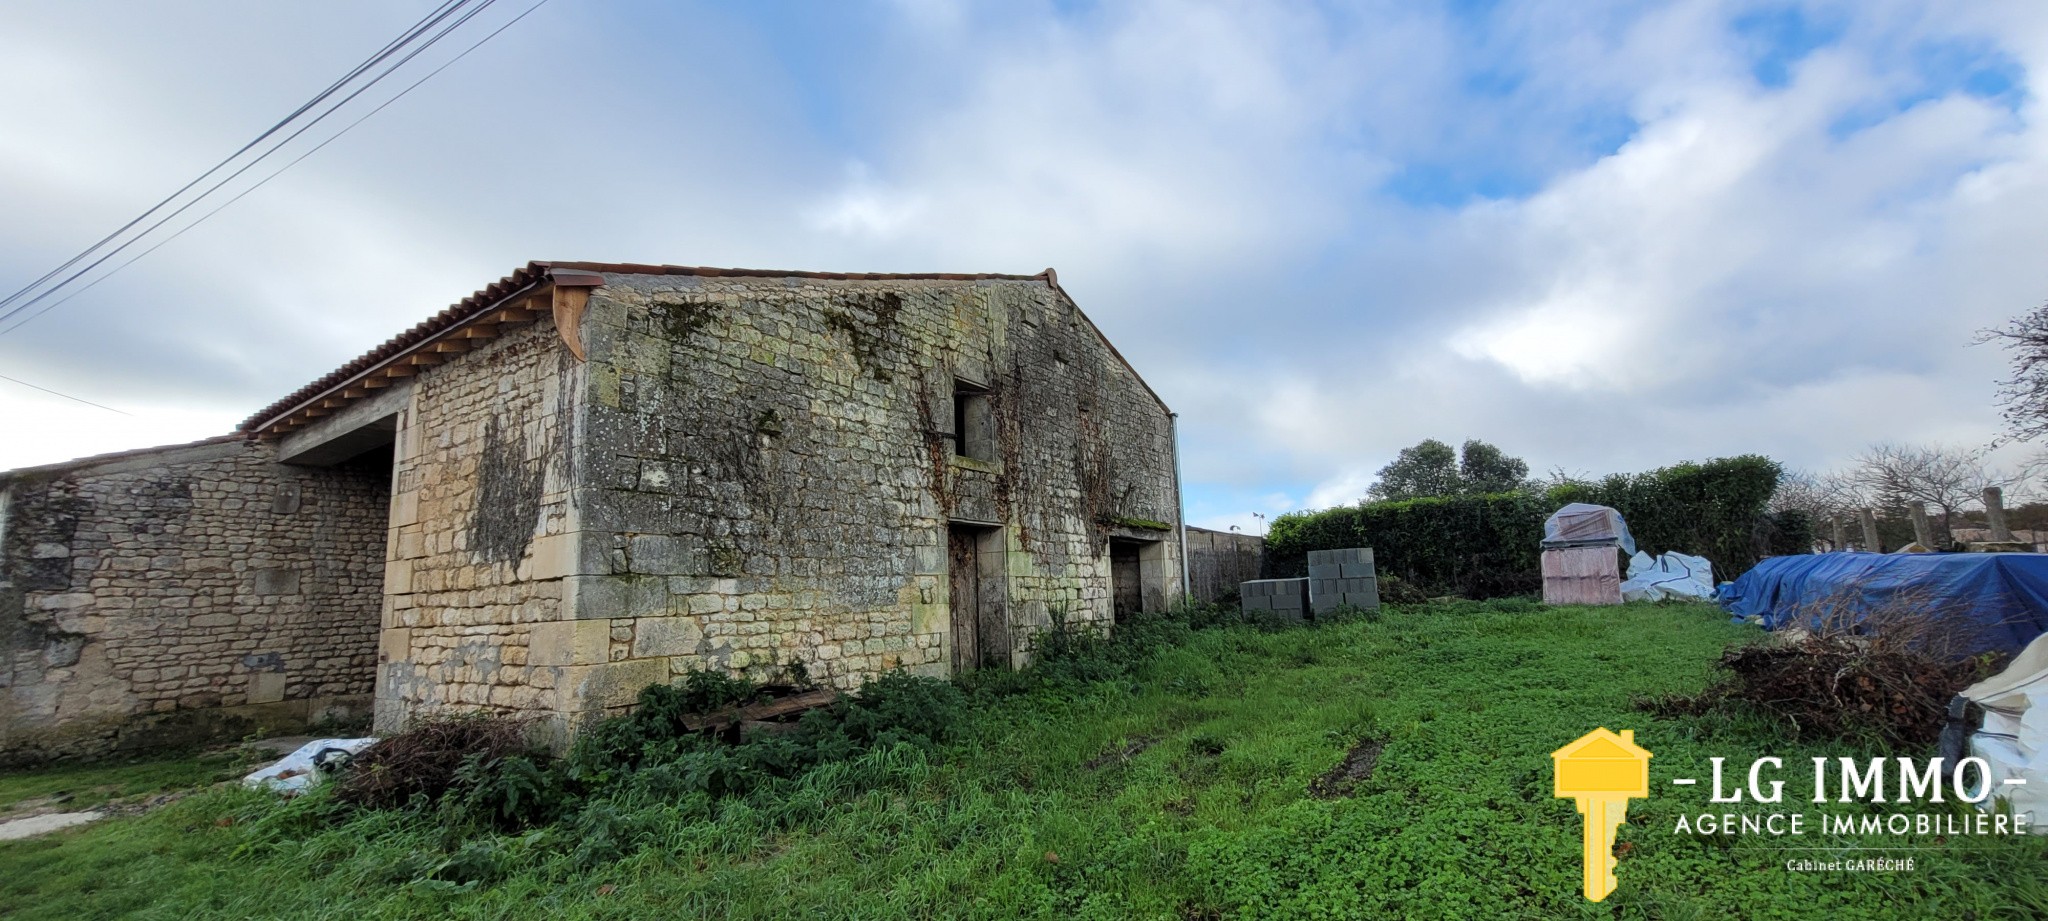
(1673, 575)
(295, 772)
(2014, 738)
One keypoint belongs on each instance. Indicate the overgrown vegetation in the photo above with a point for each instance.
(1845, 670)
(1829, 688)
(1394, 766)
(1487, 546)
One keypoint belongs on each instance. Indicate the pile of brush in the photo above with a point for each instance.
(1831, 687)
(1852, 671)
(423, 760)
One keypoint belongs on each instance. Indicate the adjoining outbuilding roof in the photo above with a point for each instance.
(115, 457)
(515, 300)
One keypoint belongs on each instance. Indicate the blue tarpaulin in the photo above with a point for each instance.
(1997, 601)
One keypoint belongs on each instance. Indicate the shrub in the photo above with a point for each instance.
(504, 792)
(1489, 546)
(902, 708)
(1478, 546)
(655, 730)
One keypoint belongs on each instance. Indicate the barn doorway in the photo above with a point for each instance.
(1126, 579)
(978, 597)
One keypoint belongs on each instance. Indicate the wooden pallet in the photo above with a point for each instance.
(1582, 575)
(767, 710)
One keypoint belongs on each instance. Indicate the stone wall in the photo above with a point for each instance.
(769, 471)
(480, 500)
(184, 594)
(753, 472)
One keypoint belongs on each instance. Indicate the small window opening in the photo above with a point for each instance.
(974, 424)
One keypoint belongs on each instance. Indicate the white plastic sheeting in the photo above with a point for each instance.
(2014, 737)
(1583, 525)
(1673, 575)
(295, 772)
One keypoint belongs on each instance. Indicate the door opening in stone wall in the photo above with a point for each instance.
(979, 599)
(1126, 580)
(359, 444)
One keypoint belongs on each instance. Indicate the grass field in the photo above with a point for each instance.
(1180, 790)
(93, 785)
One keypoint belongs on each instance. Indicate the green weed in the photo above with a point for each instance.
(1157, 780)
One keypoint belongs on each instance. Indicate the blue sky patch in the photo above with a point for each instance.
(1780, 38)
(1941, 70)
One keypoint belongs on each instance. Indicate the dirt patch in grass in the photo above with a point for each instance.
(1340, 781)
(1131, 749)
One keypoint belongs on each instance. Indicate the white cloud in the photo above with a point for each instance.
(1743, 274)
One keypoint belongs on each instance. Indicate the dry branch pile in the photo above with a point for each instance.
(423, 760)
(1888, 671)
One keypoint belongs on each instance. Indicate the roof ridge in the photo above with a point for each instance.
(538, 270)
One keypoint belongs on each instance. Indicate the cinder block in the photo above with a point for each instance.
(1360, 570)
(1283, 595)
(1325, 570)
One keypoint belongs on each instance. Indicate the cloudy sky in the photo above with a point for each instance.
(1605, 236)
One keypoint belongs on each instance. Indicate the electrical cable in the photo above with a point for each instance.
(406, 38)
(67, 396)
(295, 161)
(24, 305)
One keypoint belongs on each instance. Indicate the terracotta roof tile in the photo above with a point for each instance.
(535, 272)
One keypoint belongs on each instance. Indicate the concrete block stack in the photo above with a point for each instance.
(1287, 598)
(1342, 577)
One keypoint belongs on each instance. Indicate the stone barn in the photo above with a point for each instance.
(588, 478)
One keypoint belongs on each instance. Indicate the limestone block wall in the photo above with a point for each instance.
(480, 499)
(750, 472)
(184, 594)
(767, 473)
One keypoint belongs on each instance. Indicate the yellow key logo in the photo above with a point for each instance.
(1602, 771)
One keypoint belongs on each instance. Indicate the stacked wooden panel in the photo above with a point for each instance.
(1582, 575)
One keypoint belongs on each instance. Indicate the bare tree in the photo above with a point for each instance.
(2024, 395)
(1823, 497)
(1948, 479)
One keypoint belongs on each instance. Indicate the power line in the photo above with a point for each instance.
(406, 38)
(24, 321)
(441, 14)
(53, 289)
(67, 396)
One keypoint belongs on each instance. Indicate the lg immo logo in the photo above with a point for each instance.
(1601, 771)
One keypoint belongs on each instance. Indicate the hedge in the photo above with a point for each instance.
(1488, 546)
